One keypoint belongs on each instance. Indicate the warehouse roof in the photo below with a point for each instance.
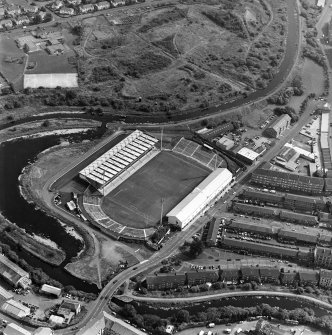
(14, 329)
(43, 331)
(16, 308)
(4, 294)
(10, 270)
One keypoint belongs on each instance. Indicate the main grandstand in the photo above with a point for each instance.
(118, 163)
(194, 204)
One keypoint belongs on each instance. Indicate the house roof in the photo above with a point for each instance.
(207, 274)
(305, 237)
(169, 277)
(325, 274)
(320, 251)
(280, 121)
(250, 271)
(229, 273)
(251, 227)
(267, 271)
(308, 275)
(266, 196)
(268, 248)
(303, 198)
(70, 304)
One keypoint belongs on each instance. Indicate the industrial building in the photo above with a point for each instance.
(218, 131)
(225, 143)
(13, 274)
(15, 308)
(325, 137)
(247, 155)
(14, 329)
(5, 295)
(109, 166)
(196, 202)
(51, 290)
(277, 127)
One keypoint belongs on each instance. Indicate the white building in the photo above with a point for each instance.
(14, 329)
(51, 290)
(321, 3)
(43, 331)
(248, 155)
(196, 202)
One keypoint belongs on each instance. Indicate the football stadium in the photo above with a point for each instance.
(134, 185)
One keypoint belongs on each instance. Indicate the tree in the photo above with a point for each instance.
(196, 248)
(182, 316)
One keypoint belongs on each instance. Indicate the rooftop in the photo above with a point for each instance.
(247, 153)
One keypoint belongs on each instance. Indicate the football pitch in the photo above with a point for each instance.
(166, 179)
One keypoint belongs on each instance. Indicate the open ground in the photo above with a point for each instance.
(168, 178)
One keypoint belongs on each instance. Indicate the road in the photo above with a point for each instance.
(235, 294)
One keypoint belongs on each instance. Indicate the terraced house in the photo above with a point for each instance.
(325, 279)
(166, 281)
(288, 181)
(323, 257)
(201, 277)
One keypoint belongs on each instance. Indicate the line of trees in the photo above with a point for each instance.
(221, 315)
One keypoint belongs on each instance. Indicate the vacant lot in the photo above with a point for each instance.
(137, 201)
(184, 56)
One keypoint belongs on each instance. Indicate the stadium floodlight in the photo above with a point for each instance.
(161, 210)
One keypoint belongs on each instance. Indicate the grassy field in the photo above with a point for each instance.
(12, 60)
(137, 201)
(51, 64)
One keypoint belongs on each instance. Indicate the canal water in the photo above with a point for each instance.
(244, 301)
(14, 156)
